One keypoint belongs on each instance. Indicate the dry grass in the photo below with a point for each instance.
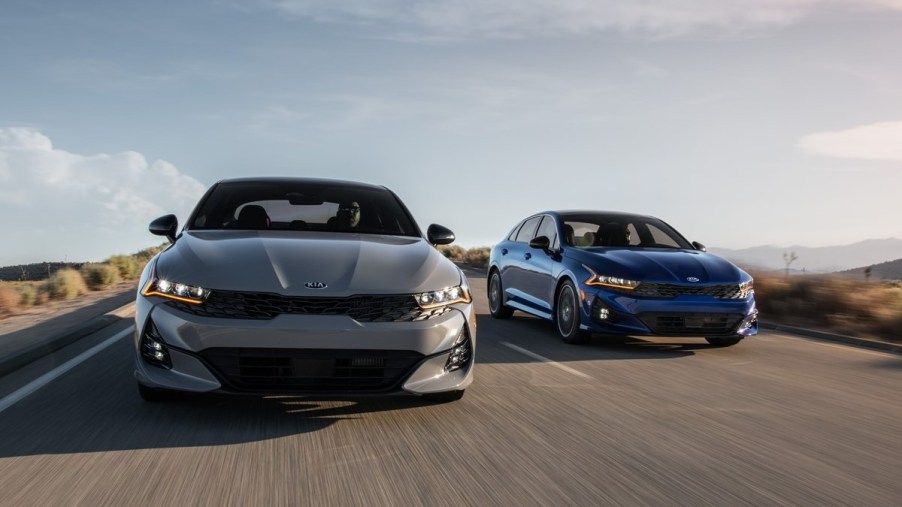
(128, 265)
(68, 283)
(99, 276)
(474, 257)
(9, 299)
(65, 284)
(29, 293)
(839, 304)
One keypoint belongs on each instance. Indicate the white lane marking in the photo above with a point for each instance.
(546, 360)
(840, 346)
(54, 374)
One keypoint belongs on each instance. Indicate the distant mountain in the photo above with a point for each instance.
(817, 260)
(891, 270)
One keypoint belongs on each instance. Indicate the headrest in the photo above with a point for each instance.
(253, 216)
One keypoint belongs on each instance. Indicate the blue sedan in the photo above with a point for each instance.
(618, 274)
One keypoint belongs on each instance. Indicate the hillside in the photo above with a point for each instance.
(819, 259)
(891, 270)
(35, 271)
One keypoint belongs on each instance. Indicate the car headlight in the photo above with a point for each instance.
(746, 289)
(443, 297)
(169, 289)
(609, 281)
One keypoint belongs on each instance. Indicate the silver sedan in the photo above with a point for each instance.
(303, 286)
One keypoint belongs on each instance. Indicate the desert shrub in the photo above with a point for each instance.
(477, 257)
(128, 266)
(43, 296)
(99, 276)
(145, 255)
(28, 294)
(9, 299)
(65, 284)
(454, 252)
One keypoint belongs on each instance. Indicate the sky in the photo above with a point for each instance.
(739, 122)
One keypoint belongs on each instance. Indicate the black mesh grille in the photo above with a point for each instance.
(265, 306)
(669, 290)
(692, 324)
(311, 370)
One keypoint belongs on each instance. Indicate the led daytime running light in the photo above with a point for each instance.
(446, 296)
(610, 281)
(746, 289)
(177, 291)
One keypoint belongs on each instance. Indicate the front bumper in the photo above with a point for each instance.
(304, 354)
(611, 312)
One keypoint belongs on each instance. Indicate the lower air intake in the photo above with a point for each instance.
(306, 370)
(691, 324)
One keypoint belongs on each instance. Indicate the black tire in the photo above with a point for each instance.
(496, 297)
(723, 342)
(155, 395)
(445, 397)
(566, 315)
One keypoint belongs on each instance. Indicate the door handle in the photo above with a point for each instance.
(504, 251)
(527, 255)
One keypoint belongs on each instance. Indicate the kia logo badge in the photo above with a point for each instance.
(691, 279)
(315, 285)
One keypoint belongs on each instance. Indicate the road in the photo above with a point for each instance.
(774, 420)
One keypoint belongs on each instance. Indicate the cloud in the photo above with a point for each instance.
(519, 18)
(51, 198)
(877, 141)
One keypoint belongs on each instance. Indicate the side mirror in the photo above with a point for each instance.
(541, 242)
(439, 235)
(698, 246)
(166, 225)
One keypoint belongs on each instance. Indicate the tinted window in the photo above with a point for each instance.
(316, 206)
(621, 230)
(527, 232)
(661, 238)
(548, 229)
(513, 235)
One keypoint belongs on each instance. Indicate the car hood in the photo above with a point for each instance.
(664, 265)
(285, 261)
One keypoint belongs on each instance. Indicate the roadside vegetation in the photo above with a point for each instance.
(476, 258)
(864, 308)
(68, 281)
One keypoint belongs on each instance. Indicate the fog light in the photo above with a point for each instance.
(460, 353)
(153, 348)
(748, 322)
(600, 311)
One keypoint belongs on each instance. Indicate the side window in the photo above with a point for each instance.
(548, 229)
(634, 235)
(527, 232)
(661, 237)
(513, 234)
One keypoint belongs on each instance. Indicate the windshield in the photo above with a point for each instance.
(303, 206)
(588, 230)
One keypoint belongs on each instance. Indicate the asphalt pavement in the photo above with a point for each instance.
(775, 420)
(22, 344)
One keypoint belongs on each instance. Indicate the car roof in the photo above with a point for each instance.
(296, 180)
(559, 213)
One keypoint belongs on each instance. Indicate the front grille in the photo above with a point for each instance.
(670, 290)
(265, 306)
(691, 324)
(311, 370)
